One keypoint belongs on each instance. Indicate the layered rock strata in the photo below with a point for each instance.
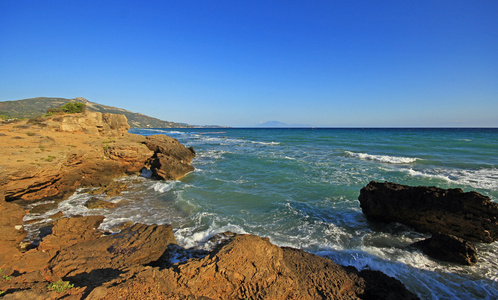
(50, 157)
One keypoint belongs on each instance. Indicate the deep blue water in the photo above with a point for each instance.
(299, 187)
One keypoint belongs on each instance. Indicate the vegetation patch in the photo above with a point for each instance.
(50, 158)
(60, 286)
(68, 108)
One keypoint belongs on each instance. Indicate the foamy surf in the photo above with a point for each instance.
(383, 158)
(481, 179)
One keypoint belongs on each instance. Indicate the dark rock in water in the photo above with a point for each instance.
(471, 216)
(449, 248)
(43, 208)
(380, 286)
(96, 203)
(171, 159)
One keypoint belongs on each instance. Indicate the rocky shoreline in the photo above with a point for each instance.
(49, 158)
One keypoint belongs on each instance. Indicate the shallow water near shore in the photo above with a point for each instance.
(299, 187)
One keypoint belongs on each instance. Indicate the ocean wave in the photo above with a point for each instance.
(384, 158)
(422, 275)
(266, 143)
(481, 178)
(194, 238)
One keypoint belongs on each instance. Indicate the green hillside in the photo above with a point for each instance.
(29, 108)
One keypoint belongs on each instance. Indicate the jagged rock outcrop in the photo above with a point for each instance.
(171, 160)
(50, 157)
(90, 122)
(468, 215)
(449, 248)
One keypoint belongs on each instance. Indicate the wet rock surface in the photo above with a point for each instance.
(449, 248)
(468, 215)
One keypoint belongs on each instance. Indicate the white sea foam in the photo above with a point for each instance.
(266, 143)
(163, 186)
(419, 273)
(482, 178)
(383, 158)
(190, 237)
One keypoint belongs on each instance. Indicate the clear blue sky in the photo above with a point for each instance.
(238, 63)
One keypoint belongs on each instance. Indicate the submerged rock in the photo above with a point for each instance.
(96, 203)
(468, 215)
(449, 248)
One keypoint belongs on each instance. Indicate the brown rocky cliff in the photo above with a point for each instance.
(50, 157)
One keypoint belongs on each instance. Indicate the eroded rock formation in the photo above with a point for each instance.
(171, 159)
(53, 156)
(468, 215)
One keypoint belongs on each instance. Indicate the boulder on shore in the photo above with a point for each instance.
(468, 215)
(171, 160)
(449, 248)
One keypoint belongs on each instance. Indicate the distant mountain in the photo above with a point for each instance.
(29, 108)
(273, 124)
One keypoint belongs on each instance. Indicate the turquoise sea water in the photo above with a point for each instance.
(299, 187)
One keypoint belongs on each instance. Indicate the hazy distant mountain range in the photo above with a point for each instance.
(33, 107)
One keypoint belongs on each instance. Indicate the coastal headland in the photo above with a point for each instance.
(48, 158)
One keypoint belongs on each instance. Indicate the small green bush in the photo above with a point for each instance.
(73, 107)
(60, 286)
(68, 108)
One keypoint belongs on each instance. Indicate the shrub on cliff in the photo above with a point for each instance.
(73, 107)
(68, 108)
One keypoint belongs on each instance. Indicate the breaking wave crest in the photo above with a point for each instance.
(383, 158)
(481, 178)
